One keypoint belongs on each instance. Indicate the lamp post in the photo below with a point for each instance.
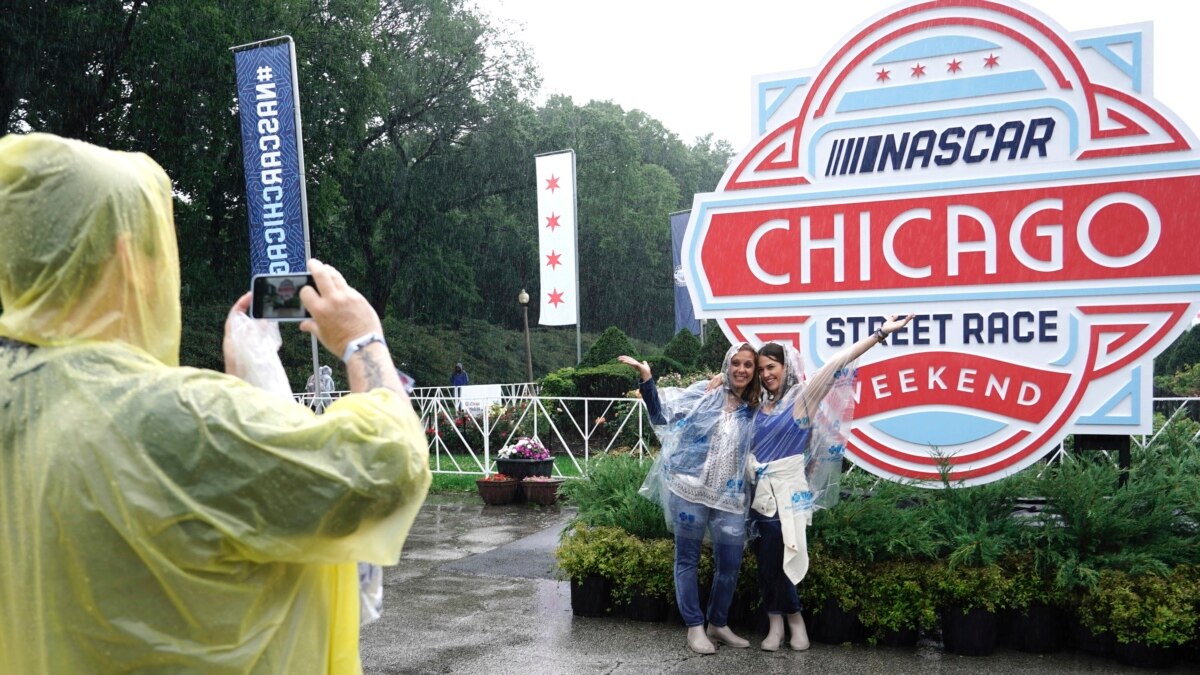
(523, 298)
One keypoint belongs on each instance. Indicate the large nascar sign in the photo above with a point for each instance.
(1013, 184)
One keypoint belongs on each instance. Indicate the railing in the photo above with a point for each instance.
(465, 433)
(462, 442)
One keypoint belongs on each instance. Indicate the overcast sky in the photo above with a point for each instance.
(691, 64)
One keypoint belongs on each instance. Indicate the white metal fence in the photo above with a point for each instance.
(466, 433)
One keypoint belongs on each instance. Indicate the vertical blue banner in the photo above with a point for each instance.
(273, 158)
(685, 314)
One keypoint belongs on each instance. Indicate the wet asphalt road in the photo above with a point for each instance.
(475, 593)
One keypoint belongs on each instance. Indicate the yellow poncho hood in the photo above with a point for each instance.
(87, 246)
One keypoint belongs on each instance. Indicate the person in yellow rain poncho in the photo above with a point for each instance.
(155, 518)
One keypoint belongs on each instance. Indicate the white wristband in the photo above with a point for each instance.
(359, 342)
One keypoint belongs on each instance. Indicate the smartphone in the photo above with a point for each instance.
(277, 296)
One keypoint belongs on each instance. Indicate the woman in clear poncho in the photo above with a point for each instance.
(699, 479)
(155, 518)
(796, 459)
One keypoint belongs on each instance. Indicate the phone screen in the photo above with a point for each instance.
(277, 297)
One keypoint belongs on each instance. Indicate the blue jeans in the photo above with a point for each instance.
(728, 533)
(778, 592)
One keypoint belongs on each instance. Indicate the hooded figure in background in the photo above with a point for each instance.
(320, 403)
(699, 479)
(458, 380)
(161, 518)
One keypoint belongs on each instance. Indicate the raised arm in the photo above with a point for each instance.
(342, 316)
(647, 388)
(822, 381)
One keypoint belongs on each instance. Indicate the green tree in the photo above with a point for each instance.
(1183, 353)
(684, 348)
(419, 136)
(611, 344)
(712, 354)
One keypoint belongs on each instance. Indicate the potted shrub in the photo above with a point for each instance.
(1036, 619)
(1143, 524)
(525, 457)
(831, 593)
(974, 529)
(646, 584)
(874, 528)
(896, 604)
(590, 557)
(497, 489)
(969, 599)
(1149, 615)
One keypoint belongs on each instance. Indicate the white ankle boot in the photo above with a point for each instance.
(774, 633)
(698, 642)
(727, 637)
(799, 640)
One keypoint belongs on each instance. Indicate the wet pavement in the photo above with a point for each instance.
(475, 593)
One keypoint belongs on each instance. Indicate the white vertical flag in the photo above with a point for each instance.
(559, 295)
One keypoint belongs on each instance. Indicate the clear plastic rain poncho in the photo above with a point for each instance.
(798, 444)
(152, 517)
(808, 418)
(705, 438)
(319, 403)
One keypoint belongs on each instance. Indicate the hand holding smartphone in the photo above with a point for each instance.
(276, 297)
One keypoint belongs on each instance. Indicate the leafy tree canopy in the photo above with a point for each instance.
(419, 133)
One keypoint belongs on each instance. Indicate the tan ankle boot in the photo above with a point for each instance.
(774, 633)
(726, 637)
(799, 640)
(698, 642)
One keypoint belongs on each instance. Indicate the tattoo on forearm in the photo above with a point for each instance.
(374, 371)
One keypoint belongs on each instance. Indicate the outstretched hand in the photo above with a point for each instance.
(894, 324)
(642, 367)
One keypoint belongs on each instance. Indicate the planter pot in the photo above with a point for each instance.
(497, 492)
(524, 468)
(1145, 656)
(1040, 629)
(1191, 651)
(644, 607)
(905, 638)
(544, 492)
(833, 625)
(970, 634)
(1086, 641)
(591, 596)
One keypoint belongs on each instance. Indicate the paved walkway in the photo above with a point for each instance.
(475, 593)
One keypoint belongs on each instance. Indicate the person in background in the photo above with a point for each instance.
(699, 479)
(157, 518)
(458, 380)
(319, 403)
(796, 458)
